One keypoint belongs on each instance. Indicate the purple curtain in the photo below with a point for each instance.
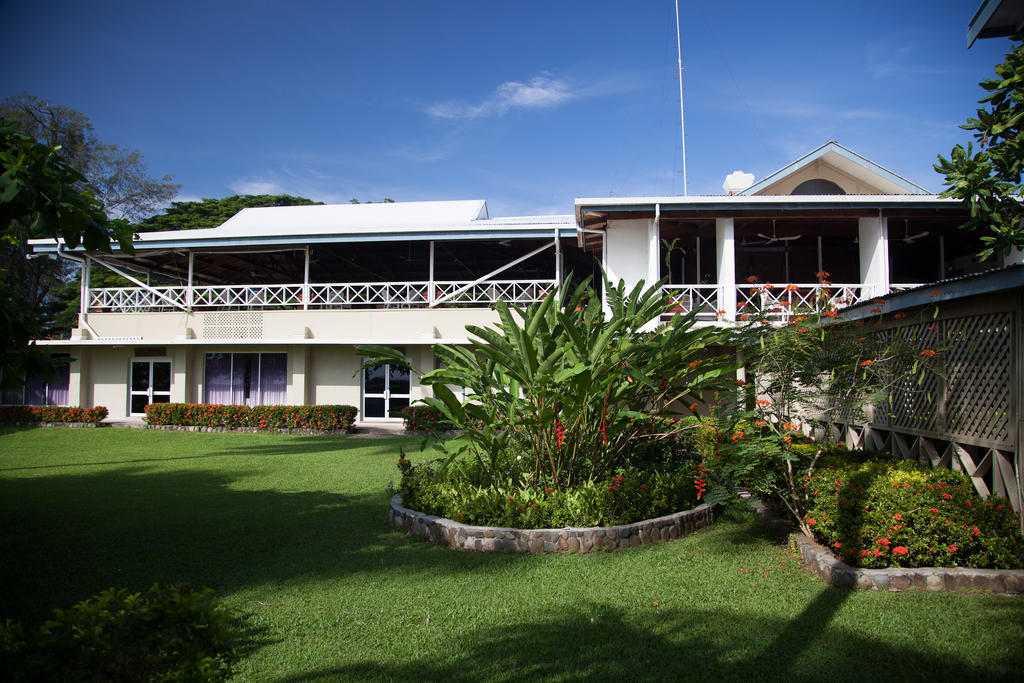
(57, 389)
(217, 385)
(273, 379)
(35, 391)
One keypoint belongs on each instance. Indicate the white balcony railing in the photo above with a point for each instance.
(318, 296)
(777, 301)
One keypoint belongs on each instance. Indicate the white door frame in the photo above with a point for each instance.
(149, 391)
(386, 396)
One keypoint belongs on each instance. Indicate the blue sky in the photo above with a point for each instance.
(525, 104)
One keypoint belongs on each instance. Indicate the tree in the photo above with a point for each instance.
(40, 197)
(117, 176)
(989, 181)
(209, 213)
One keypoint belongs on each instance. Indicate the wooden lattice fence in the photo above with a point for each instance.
(966, 416)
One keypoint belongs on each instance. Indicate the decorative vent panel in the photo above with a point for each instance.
(233, 325)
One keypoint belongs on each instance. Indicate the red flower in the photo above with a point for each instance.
(946, 496)
(810, 521)
(898, 517)
(934, 511)
(792, 288)
(751, 278)
(866, 363)
(837, 544)
(953, 548)
(883, 541)
(899, 550)
(829, 314)
(928, 352)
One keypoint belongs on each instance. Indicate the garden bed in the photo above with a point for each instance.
(835, 572)
(569, 539)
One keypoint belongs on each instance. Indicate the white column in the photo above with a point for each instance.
(305, 282)
(654, 251)
(78, 383)
(84, 306)
(873, 236)
(430, 278)
(298, 369)
(725, 250)
(191, 276)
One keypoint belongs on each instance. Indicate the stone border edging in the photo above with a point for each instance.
(837, 573)
(253, 430)
(570, 539)
(72, 425)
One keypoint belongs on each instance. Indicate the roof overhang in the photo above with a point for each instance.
(996, 19)
(738, 205)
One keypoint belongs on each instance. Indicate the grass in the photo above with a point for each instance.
(290, 531)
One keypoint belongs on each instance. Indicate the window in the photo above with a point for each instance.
(39, 392)
(246, 379)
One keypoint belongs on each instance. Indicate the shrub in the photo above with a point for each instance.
(628, 495)
(554, 391)
(423, 418)
(166, 633)
(326, 418)
(899, 514)
(67, 414)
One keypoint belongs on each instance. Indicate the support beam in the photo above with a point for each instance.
(191, 275)
(474, 283)
(142, 284)
(305, 280)
(725, 247)
(431, 291)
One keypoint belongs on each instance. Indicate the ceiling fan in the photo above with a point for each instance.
(907, 237)
(775, 238)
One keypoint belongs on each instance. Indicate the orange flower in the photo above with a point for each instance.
(829, 314)
(763, 402)
(866, 363)
(928, 352)
(751, 278)
(876, 310)
(822, 274)
(792, 288)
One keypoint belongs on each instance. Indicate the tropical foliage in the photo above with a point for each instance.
(989, 180)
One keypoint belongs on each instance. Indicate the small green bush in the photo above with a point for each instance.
(900, 514)
(169, 633)
(325, 418)
(629, 495)
(66, 414)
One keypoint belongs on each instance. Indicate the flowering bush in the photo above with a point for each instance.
(420, 418)
(629, 495)
(326, 418)
(52, 414)
(886, 514)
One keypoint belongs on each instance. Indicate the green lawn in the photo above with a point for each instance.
(290, 531)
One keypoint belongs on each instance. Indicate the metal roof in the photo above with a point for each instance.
(743, 202)
(995, 19)
(332, 223)
(986, 282)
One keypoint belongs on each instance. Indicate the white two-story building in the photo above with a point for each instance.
(268, 307)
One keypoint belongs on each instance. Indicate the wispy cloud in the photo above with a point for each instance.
(252, 186)
(538, 93)
(887, 58)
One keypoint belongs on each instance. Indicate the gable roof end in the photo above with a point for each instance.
(846, 157)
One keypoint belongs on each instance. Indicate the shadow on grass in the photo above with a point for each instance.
(596, 642)
(64, 537)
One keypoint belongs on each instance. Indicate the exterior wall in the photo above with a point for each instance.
(108, 378)
(821, 169)
(629, 251)
(364, 325)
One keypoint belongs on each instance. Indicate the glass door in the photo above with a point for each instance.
(150, 383)
(385, 392)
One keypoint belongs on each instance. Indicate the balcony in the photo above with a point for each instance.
(776, 301)
(332, 296)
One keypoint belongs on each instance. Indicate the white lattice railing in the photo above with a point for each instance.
(335, 295)
(777, 301)
(686, 298)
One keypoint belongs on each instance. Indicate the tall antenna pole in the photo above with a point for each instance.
(682, 125)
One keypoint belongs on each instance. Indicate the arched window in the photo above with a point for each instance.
(818, 186)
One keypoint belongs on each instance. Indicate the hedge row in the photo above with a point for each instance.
(52, 414)
(325, 418)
